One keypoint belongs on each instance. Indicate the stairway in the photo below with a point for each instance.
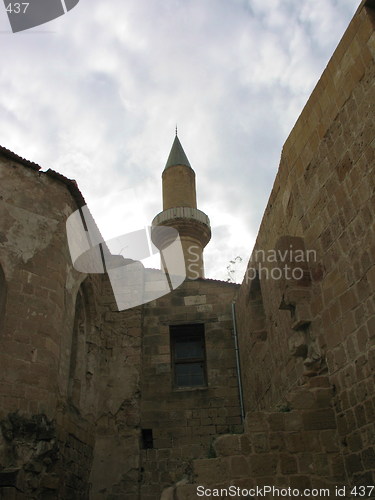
(297, 448)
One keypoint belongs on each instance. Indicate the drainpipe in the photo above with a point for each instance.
(238, 365)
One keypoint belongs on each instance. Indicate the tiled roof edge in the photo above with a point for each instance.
(13, 156)
(70, 183)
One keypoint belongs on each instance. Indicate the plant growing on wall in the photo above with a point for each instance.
(232, 269)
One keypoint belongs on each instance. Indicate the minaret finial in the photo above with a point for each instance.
(176, 129)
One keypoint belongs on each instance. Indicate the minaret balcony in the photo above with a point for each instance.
(189, 222)
(181, 213)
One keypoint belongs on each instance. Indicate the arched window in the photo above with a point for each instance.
(77, 352)
(3, 293)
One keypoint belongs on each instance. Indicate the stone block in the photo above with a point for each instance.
(311, 441)
(305, 463)
(263, 465)
(185, 492)
(260, 442)
(301, 399)
(298, 345)
(245, 445)
(318, 419)
(321, 464)
(204, 308)
(294, 442)
(368, 458)
(276, 421)
(293, 421)
(329, 441)
(337, 468)
(222, 429)
(210, 471)
(323, 397)
(276, 440)
(300, 482)
(256, 422)
(194, 422)
(50, 481)
(354, 441)
(233, 420)
(226, 445)
(353, 463)
(302, 316)
(203, 430)
(191, 300)
(239, 467)
(237, 428)
(12, 478)
(360, 415)
(13, 494)
(288, 464)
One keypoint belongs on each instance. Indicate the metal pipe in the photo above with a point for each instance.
(238, 361)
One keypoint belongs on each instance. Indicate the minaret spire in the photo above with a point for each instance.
(180, 210)
(177, 155)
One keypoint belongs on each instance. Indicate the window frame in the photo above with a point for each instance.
(147, 439)
(191, 331)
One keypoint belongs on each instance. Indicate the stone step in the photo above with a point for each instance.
(316, 397)
(295, 420)
(231, 444)
(288, 444)
(210, 470)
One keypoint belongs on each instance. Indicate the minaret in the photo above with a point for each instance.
(180, 210)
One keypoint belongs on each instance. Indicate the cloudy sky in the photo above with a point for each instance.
(96, 95)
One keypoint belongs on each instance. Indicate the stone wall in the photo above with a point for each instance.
(84, 387)
(322, 201)
(296, 450)
(69, 383)
(184, 421)
(36, 337)
(34, 258)
(115, 471)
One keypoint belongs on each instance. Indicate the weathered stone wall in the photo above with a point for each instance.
(184, 421)
(116, 469)
(69, 383)
(323, 201)
(79, 380)
(34, 257)
(296, 450)
(41, 287)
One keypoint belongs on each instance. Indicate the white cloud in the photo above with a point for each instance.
(98, 100)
